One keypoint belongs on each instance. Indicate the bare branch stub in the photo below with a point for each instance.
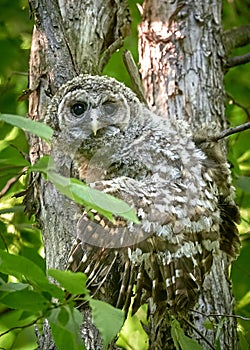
(236, 37)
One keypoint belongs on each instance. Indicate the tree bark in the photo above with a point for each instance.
(69, 38)
(181, 57)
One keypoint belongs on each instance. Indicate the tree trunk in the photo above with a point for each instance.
(181, 59)
(69, 38)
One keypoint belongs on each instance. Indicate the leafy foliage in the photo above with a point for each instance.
(181, 341)
(22, 274)
(35, 298)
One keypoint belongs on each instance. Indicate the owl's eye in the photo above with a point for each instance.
(109, 107)
(79, 108)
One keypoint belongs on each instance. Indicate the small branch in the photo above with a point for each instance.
(231, 131)
(134, 75)
(198, 140)
(116, 45)
(22, 327)
(221, 315)
(11, 182)
(233, 101)
(236, 37)
(237, 60)
(200, 334)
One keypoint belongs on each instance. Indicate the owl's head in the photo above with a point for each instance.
(87, 104)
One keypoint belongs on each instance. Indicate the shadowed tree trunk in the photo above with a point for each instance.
(181, 58)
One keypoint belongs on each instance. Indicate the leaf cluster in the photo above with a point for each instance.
(35, 298)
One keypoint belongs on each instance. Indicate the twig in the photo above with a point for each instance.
(22, 327)
(116, 45)
(233, 101)
(231, 131)
(222, 315)
(11, 182)
(237, 60)
(223, 134)
(200, 334)
(134, 75)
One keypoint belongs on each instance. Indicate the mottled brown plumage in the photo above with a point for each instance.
(181, 193)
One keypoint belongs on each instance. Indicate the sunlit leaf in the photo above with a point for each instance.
(40, 129)
(181, 341)
(83, 194)
(25, 300)
(21, 267)
(65, 326)
(107, 319)
(73, 282)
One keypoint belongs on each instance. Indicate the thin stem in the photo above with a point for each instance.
(231, 131)
(200, 334)
(222, 315)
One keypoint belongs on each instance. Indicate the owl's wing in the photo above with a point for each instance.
(164, 256)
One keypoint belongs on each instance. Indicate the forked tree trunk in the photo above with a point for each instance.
(181, 58)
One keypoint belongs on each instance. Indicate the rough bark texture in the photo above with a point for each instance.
(181, 56)
(181, 59)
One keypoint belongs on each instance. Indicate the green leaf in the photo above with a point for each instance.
(15, 319)
(12, 287)
(21, 267)
(25, 300)
(107, 319)
(42, 130)
(66, 329)
(84, 195)
(218, 333)
(73, 282)
(10, 156)
(243, 344)
(181, 341)
(244, 301)
(208, 324)
(103, 200)
(41, 165)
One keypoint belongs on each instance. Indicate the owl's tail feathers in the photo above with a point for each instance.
(172, 284)
(182, 283)
(229, 235)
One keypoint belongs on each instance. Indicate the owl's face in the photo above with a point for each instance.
(83, 113)
(87, 104)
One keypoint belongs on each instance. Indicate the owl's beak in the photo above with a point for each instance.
(94, 124)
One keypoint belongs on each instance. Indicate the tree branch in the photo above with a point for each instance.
(134, 75)
(237, 60)
(236, 37)
(231, 131)
(11, 182)
(223, 134)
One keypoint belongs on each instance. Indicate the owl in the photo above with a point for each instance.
(181, 193)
